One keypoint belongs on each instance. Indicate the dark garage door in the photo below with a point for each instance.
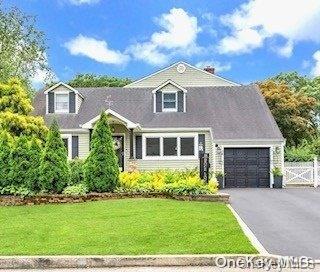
(247, 167)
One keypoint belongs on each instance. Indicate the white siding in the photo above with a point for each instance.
(61, 89)
(79, 101)
(192, 77)
(83, 145)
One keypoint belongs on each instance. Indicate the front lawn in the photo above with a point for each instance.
(127, 226)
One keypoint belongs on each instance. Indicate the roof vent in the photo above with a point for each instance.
(209, 69)
(181, 68)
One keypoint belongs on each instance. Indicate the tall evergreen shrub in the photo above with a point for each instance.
(33, 180)
(19, 162)
(54, 168)
(5, 150)
(101, 169)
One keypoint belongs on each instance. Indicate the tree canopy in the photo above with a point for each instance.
(15, 112)
(294, 112)
(91, 80)
(299, 83)
(22, 47)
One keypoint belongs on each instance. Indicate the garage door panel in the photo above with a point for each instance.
(247, 167)
(264, 152)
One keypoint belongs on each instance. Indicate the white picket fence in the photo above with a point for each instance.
(301, 173)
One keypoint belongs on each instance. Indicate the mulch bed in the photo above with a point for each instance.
(59, 198)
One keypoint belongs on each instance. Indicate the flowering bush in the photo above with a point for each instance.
(166, 181)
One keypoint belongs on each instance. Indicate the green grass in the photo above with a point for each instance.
(127, 226)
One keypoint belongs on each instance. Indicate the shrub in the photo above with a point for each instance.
(54, 168)
(16, 191)
(78, 189)
(277, 172)
(101, 171)
(76, 171)
(33, 181)
(5, 150)
(20, 164)
(166, 181)
(302, 153)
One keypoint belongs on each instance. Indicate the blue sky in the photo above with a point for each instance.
(244, 40)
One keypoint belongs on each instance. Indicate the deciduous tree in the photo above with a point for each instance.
(298, 83)
(22, 47)
(293, 111)
(91, 80)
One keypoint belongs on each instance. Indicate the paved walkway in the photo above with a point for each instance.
(285, 221)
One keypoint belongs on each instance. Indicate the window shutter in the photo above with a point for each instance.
(158, 101)
(72, 102)
(50, 102)
(202, 140)
(180, 101)
(75, 146)
(138, 147)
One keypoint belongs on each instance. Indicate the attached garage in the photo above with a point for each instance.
(247, 167)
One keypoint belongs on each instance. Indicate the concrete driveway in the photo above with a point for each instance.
(285, 221)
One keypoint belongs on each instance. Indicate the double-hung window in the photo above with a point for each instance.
(169, 101)
(156, 146)
(62, 103)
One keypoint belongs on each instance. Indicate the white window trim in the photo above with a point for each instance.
(55, 101)
(175, 109)
(69, 138)
(169, 135)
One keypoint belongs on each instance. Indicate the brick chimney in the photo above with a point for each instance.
(209, 69)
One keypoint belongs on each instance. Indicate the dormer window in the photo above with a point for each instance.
(169, 97)
(62, 98)
(169, 101)
(62, 102)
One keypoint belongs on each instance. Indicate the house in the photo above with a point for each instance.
(166, 119)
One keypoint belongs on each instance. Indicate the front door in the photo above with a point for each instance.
(119, 149)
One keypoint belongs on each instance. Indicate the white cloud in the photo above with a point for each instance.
(149, 53)
(81, 2)
(257, 20)
(178, 36)
(218, 66)
(316, 68)
(95, 49)
(286, 50)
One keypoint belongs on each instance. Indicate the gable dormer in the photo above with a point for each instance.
(169, 97)
(183, 74)
(62, 99)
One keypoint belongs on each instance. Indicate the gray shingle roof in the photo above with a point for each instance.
(232, 112)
